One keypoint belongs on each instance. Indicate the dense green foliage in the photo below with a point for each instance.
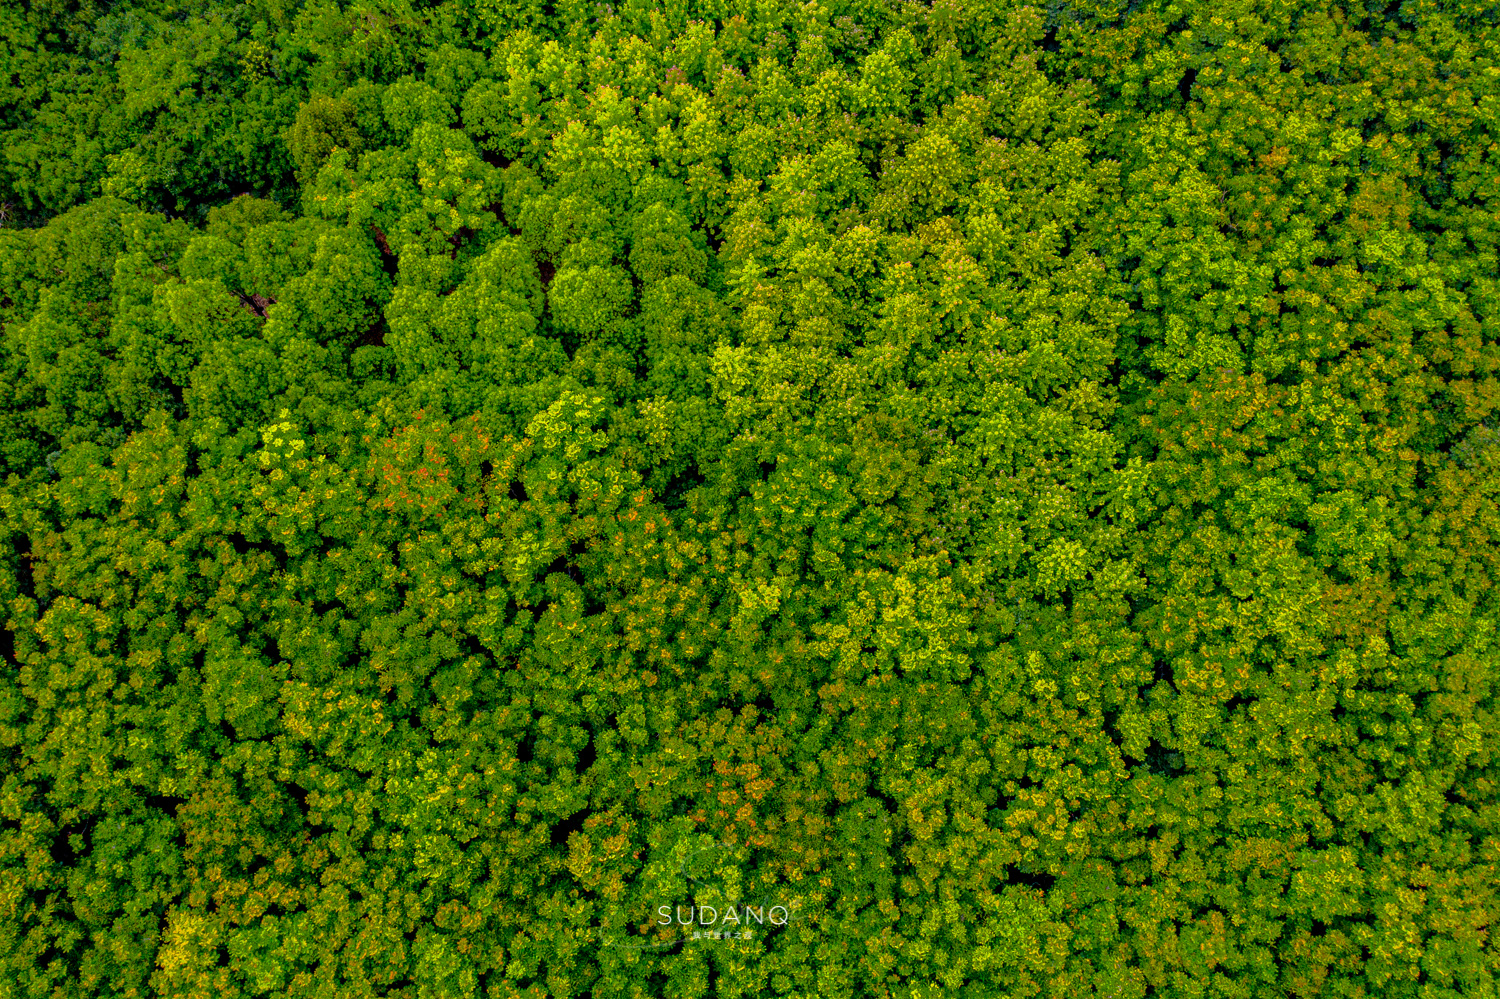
(1018, 487)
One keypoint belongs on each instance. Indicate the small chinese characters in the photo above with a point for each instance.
(723, 934)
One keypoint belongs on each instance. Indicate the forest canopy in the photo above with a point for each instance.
(1015, 488)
